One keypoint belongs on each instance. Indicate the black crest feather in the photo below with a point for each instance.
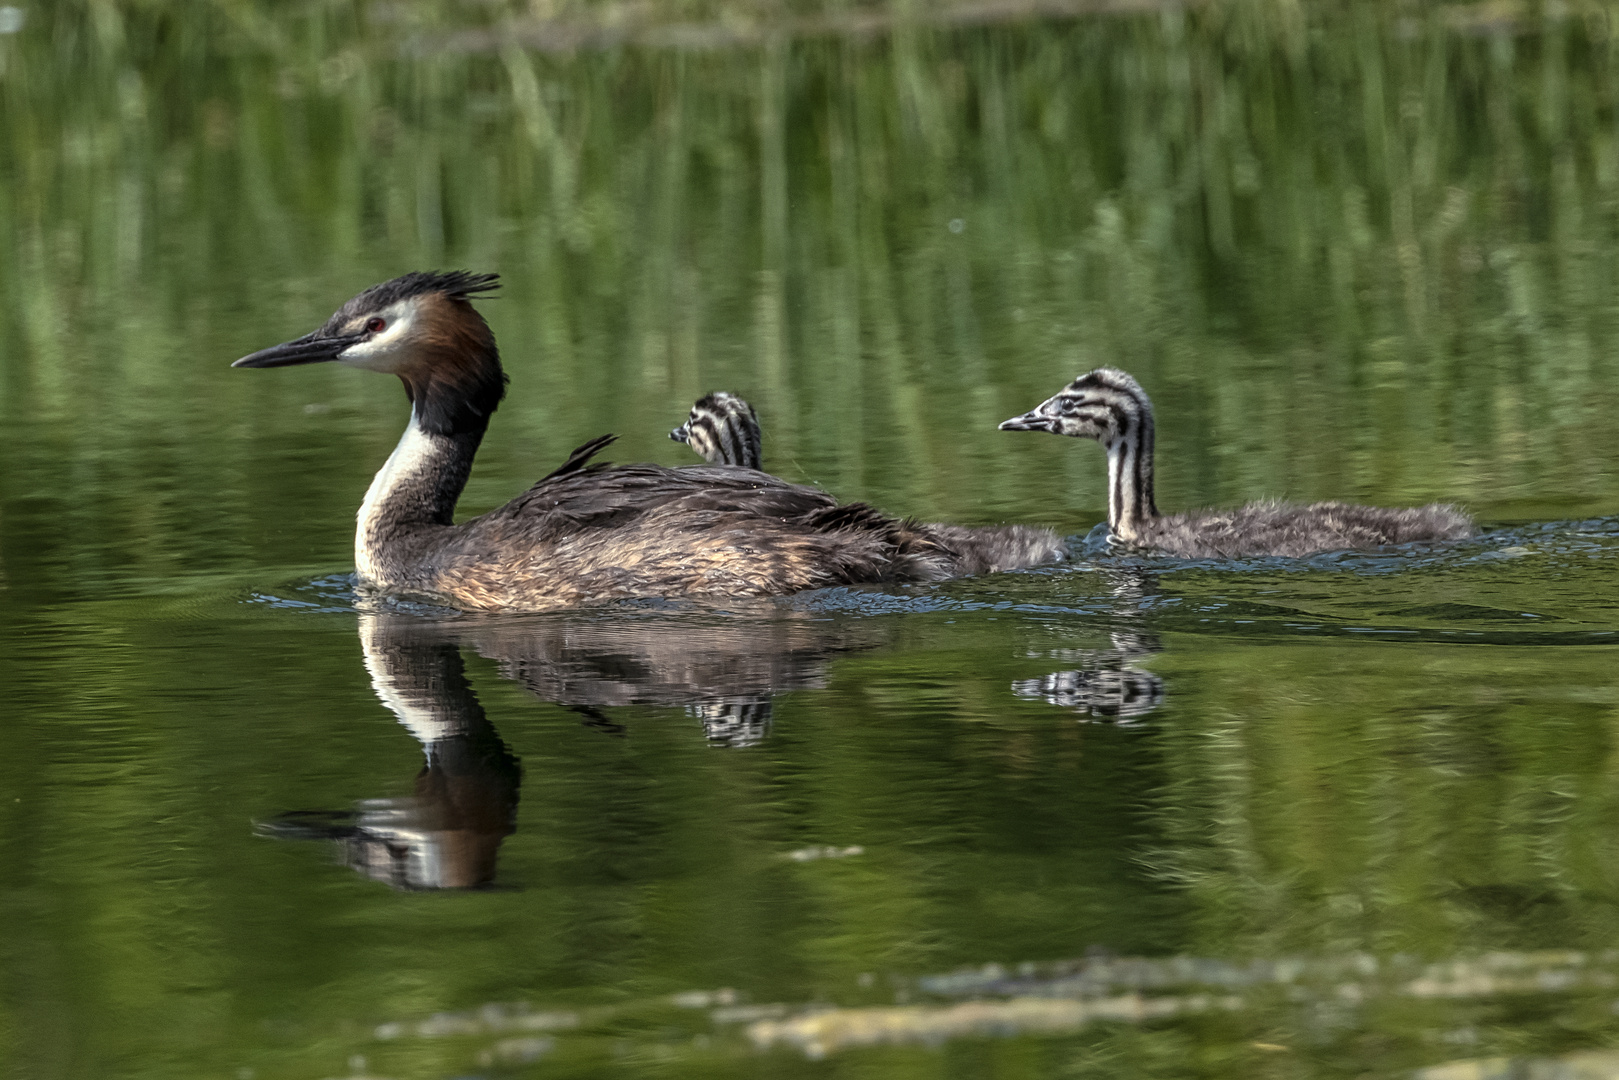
(580, 457)
(456, 284)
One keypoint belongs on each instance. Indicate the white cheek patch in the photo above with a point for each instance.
(385, 351)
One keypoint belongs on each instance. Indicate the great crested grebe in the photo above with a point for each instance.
(1109, 406)
(586, 533)
(723, 429)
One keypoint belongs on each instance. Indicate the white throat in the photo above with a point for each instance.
(414, 455)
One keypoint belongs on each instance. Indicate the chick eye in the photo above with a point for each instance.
(375, 325)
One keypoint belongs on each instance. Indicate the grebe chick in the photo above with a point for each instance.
(723, 429)
(587, 533)
(1109, 406)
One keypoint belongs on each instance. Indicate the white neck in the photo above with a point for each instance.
(414, 458)
(411, 503)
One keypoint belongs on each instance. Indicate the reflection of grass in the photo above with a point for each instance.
(1312, 808)
(703, 24)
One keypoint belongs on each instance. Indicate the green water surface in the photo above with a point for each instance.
(1356, 815)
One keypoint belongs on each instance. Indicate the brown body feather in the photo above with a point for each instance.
(613, 532)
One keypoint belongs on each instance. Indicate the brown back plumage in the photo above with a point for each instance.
(602, 532)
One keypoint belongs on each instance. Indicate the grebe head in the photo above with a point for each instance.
(723, 429)
(1103, 405)
(422, 328)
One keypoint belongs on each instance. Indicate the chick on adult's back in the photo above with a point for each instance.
(586, 533)
(723, 429)
(1109, 406)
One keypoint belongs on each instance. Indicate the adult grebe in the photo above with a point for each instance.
(1109, 406)
(723, 430)
(586, 533)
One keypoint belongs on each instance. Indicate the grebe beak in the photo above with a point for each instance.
(308, 349)
(681, 433)
(1030, 421)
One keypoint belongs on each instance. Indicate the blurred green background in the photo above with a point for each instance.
(1361, 251)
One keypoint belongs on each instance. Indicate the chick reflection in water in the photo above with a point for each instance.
(446, 835)
(1108, 685)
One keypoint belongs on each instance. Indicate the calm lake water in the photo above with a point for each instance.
(1350, 816)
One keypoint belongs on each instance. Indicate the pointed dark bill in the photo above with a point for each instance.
(308, 349)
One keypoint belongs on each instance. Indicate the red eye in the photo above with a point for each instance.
(375, 325)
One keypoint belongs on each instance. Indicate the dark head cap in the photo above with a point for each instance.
(450, 284)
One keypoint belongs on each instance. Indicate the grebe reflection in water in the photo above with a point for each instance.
(447, 833)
